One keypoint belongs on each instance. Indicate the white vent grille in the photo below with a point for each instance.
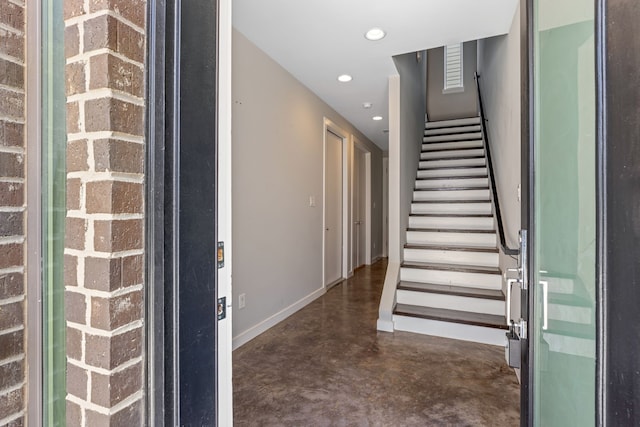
(453, 71)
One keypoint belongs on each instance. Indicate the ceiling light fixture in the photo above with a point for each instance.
(344, 78)
(375, 34)
(377, 118)
(367, 105)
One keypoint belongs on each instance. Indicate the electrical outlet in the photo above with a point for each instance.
(242, 300)
(312, 201)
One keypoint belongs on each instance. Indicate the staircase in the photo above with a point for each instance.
(450, 283)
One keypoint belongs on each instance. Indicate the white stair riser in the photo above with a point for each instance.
(485, 259)
(570, 313)
(448, 145)
(452, 183)
(451, 302)
(454, 223)
(484, 240)
(458, 129)
(453, 122)
(451, 195)
(451, 154)
(451, 208)
(453, 163)
(456, 137)
(443, 173)
(456, 331)
(452, 278)
(574, 346)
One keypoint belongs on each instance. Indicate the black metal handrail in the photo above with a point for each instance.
(496, 203)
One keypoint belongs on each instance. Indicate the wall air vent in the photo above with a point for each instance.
(453, 71)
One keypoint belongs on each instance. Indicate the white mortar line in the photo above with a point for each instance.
(11, 30)
(12, 330)
(105, 294)
(109, 93)
(18, 121)
(12, 300)
(86, 56)
(12, 359)
(11, 418)
(13, 180)
(102, 333)
(19, 91)
(11, 239)
(17, 209)
(105, 255)
(137, 139)
(88, 176)
(104, 371)
(9, 270)
(89, 16)
(11, 149)
(10, 58)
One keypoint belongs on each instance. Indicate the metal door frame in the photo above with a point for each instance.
(181, 205)
(617, 210)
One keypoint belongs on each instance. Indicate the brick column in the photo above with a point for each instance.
(104, 265)
(12, 212)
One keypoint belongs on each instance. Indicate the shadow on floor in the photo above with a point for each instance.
(327, 365)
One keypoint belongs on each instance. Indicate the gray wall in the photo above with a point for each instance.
(277, 165)
(412, 108)
(499, 69)
(445, 106)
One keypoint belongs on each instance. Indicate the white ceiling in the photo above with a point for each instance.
(317, 40)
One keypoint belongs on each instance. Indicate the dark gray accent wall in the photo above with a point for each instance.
(446, 106)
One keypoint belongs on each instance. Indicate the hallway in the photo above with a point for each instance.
(328, 366)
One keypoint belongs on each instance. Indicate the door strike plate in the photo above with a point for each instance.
(220, 254)
(222, 308)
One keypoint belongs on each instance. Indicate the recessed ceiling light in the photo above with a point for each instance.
(377, 118)
(375, 34)
(345, 78)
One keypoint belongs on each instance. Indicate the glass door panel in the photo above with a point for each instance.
(563, 241)
(54, 145)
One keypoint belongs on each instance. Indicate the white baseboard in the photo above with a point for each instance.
(246, 336)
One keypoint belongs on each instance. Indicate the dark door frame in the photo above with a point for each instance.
(617, 66)
(181, 173)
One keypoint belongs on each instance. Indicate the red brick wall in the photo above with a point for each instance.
(12, 212)
(104, 265)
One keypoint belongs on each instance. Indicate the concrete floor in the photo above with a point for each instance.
(328, 366)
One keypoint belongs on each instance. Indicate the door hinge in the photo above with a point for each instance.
(220, 254)
(222, 308)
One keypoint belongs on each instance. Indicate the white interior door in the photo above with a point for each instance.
(359, 209)
(333, 209)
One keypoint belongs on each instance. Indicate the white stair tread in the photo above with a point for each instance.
(451, 208)
(474, 152)
(448, 163)
(444, 222)
(453, 137)
(435, 146)
(485, 240)
(456, 129)
(453, 194)
(443, 173)
(452, 122)
(452, 183)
